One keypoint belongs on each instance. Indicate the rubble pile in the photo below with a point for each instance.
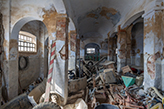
(123, 90)
(97, 85)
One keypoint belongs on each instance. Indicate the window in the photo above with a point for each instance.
(27, 42)
(90, 50)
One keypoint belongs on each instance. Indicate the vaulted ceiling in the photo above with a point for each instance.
(96, 18)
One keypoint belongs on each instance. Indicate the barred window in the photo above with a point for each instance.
(27, 42)
(90, 50)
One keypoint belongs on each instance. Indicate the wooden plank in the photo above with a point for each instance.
(126, 69)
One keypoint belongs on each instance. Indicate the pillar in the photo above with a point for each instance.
(153, 47)
(128, 48)
(1, 54)
(60, 71)
(121, 52)
(72, 50)
(41, 49)
(77, 48)
(110, 48)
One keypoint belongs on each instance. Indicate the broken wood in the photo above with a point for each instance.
(86, 96)
(126, 69)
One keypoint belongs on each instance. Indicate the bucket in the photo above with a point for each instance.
(106, 106)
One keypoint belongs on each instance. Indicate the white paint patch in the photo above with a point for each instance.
(13, 53)
(149, 47)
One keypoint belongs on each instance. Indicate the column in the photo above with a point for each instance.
(110, 48)
(121, 46)
(153, 47)
(60, 71)
(72, 50)
(128, 48)
(77, 48)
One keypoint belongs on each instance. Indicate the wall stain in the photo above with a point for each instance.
(109, 13)
(157, 55)
(151, 66)
(122, 35)
(64, 53)
(13, 49)
(5, 43)
(92, 15)
(105, 11)
(153, 24)
(62, 28)
(49, 19)
(13, 43)
(138, 51)
(73, 40)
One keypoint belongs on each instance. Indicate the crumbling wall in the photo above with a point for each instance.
(34, 59)
(137, 45)
(103, 44)
(153, 48)
(122, 51)
(112, 45)
(16, 14)
(60, 77)
(72, 50)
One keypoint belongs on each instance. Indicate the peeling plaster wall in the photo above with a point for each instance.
(5, 13)
(137, 45)
(35, 59)
(72, 50)
(92, 15)
(103, 44)
(60, 77)
(16, 14)
(104, 17)
(112, 45)
(122, 51)
(153, 48)
(72, 45)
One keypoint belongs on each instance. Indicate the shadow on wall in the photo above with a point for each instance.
(32, 51)
(137, 45)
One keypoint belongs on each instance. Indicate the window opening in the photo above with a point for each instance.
(27, 42)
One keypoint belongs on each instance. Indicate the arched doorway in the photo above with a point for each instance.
(92, 52)
(137, 45)
(36, 62)
(34, 50)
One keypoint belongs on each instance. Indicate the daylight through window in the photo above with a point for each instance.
(90, 50)
(27, 42)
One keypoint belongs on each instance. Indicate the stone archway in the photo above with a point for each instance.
(14, 73)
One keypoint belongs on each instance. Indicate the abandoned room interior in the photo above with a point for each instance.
(81, 54)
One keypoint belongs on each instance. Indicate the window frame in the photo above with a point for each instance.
(90, 50)
(27, 42)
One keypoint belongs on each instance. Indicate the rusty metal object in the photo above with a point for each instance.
(126, 101)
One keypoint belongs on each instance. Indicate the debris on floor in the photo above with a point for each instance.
(98, 86)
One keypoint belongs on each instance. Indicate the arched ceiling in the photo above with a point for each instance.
(98, 16)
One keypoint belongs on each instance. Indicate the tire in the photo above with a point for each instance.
(47, 105)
